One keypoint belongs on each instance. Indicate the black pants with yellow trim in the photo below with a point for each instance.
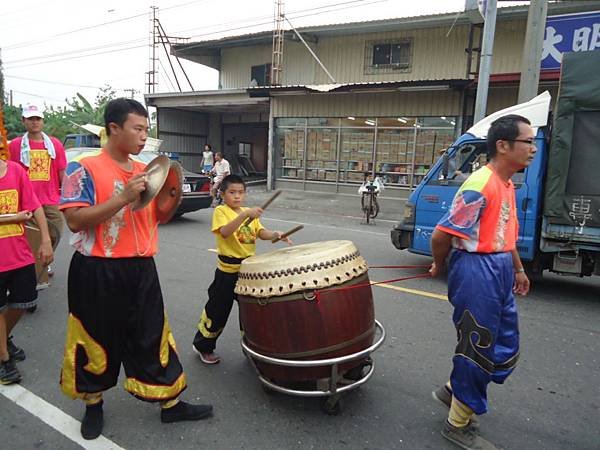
(116, 316)
(216, 311)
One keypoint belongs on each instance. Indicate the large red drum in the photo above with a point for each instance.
(307, 302)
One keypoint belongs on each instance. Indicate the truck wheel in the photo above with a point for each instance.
(535, 274)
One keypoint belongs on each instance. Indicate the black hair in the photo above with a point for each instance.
(229, 180)
(209, 146)
(503, 128)
(118, 109)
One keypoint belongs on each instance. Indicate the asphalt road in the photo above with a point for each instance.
(552, 401)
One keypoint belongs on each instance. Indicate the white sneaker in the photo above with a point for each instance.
(42, 286)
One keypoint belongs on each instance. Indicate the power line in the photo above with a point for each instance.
(65, 33)
(52, 82)
(179, 31)
(70, 52)
(39, 96)
(90, 27)
(269, 16)
(348, 5)
(76, 57)
(369, 2)
(165, 75)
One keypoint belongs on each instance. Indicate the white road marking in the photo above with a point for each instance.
(57, 419)
(325, 226)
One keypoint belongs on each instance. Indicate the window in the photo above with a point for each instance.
(245, 149)
(260, 75)
(388, 56)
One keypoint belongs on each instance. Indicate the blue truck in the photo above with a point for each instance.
(81, 140)
(558, 195)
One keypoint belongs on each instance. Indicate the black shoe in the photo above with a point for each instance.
(466, 437)
(15, 353)
(92, 422)
(9, 374)
(185, 411)
(32, 309)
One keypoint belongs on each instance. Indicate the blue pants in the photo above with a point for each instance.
(485, 315)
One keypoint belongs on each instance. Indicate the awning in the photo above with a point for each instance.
(215, 101)
(361, 87)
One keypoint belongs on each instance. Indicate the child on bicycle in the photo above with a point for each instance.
(220, 170)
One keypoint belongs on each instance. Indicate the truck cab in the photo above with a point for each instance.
(81, 140)
(557, 195)
(434, 195)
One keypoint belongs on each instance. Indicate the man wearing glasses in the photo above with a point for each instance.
(480, 233)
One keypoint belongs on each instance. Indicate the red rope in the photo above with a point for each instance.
(319, 293)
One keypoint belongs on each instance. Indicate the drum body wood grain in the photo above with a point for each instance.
(299, 326)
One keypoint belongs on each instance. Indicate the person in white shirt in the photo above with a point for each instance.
(221, 169)
(207, 159)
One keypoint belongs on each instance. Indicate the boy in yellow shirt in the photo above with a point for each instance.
(235, 242)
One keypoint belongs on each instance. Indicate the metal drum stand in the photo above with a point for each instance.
(332, 402)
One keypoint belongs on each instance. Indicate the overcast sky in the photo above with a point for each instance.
(44, 43)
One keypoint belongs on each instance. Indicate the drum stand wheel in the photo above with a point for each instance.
(332, 405)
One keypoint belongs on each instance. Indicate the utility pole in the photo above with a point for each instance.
(487, 46)
(532, 50)
(151, 84)
(164, 40)
(277, 56)
(131, 91)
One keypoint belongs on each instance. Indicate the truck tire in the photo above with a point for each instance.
(533, 271)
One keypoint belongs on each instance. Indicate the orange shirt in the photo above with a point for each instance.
(483, 215)
(94, 180)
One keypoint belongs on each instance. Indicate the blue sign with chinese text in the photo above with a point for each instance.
(570, 33)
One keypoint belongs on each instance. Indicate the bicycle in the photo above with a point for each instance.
(217, 197)
(369, 191)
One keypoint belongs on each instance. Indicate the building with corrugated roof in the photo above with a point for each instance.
(404, 89)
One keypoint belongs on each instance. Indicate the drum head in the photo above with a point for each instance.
(170, 196)
(299, 268)
(156, 174)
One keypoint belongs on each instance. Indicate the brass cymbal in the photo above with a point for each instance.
(156, 174)
(170, 196)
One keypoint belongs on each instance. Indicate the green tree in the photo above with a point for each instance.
(62, 120)
(12, 121)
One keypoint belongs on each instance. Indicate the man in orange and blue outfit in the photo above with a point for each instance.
(480, 233)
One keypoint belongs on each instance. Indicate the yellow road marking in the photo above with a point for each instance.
(415, 291)
(214, 250)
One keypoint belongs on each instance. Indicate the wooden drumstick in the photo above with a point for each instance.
(264, 206)
(287, 233)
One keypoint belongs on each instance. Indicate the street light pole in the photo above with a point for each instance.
(532, 50)
(487, 46)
